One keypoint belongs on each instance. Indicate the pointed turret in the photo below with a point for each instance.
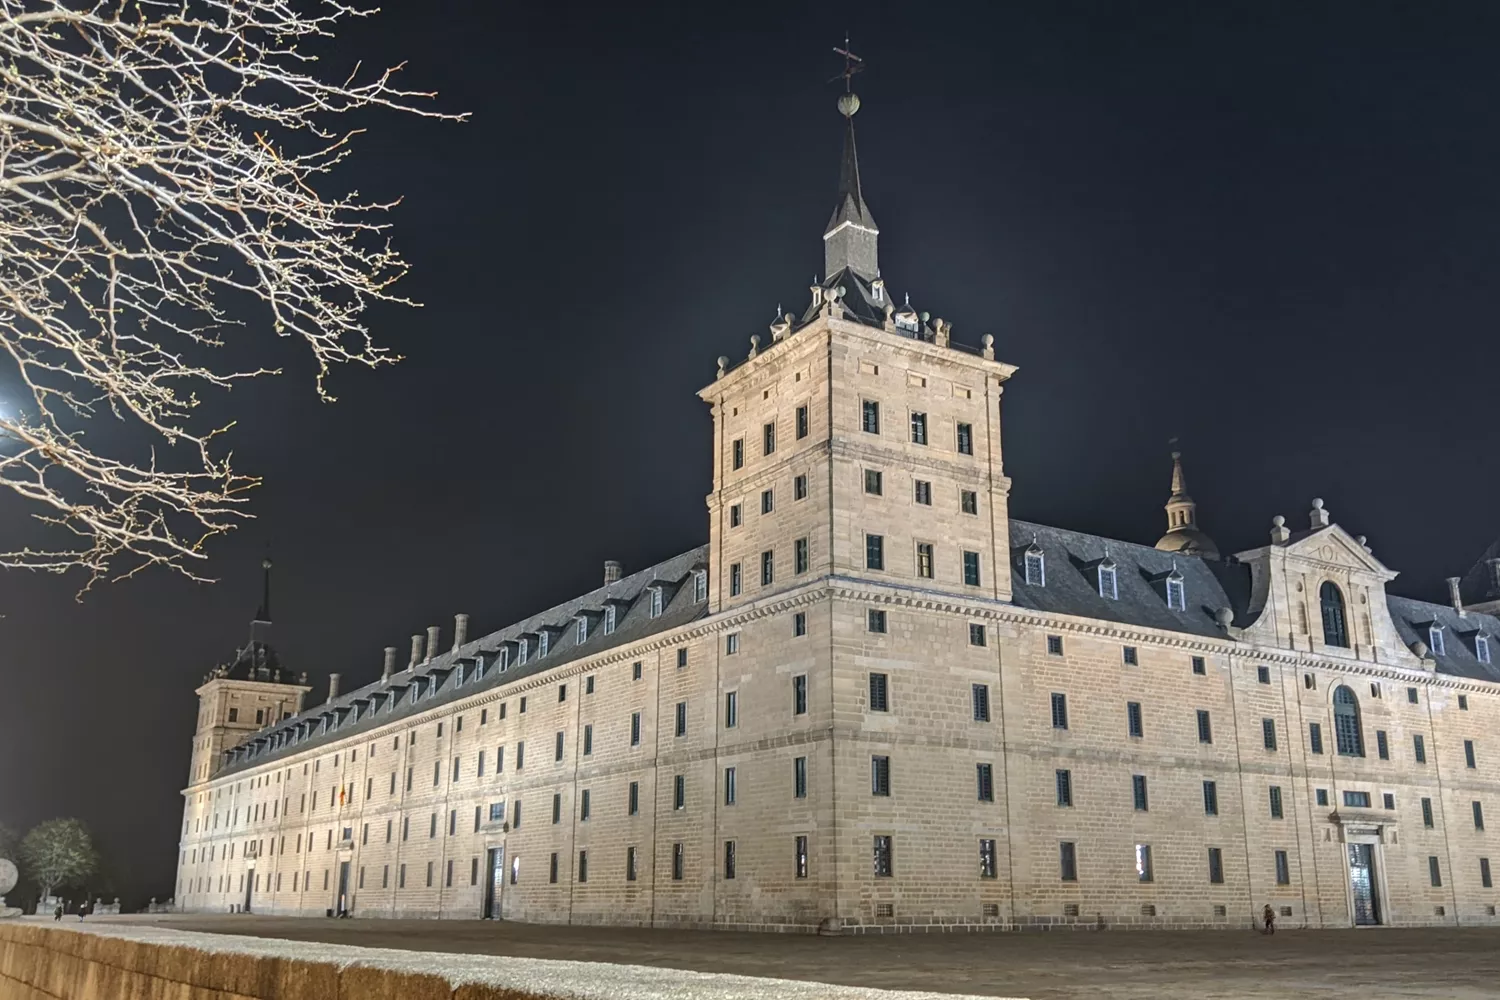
(1183, 534)
(851, 236)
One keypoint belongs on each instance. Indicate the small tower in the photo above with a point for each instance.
(1183, 534)
(247, 694)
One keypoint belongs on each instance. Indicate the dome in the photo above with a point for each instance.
(1188, 541)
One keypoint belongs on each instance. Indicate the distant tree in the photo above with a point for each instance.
(164, 176)
(8, 843)
(59, 852)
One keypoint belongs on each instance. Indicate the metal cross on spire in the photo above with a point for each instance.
(852, 64)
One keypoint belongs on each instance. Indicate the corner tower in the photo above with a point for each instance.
(858, 440)
(1183, 534)
(243, 696)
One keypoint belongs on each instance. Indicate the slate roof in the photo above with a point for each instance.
(851, 205)
(630, 595)
(1413, 618)
(1071, 587)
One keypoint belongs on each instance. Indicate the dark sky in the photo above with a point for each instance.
(1269, 228)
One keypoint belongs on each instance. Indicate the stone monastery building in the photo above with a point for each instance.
(874, 701)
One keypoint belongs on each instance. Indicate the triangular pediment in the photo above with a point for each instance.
(1333, 547)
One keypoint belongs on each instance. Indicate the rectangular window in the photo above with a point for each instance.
(1276, 810)
(1484, 873)
(736, 515)
(1434, 872)
(1205, 727)
(1054, 645)
(1064, 781)
(767, 501)
(876, 620)
(984, 775)
(515, 815)
(738, 449)
(799, 623)
(1357, 800)
(677, 865)
(976, 634)
(1469, 753)
(799, 487)
(630, 864)
(922, 492)
(1315, 737)
(1321, 796)
(729, 788)
(799, 556)
(1463, 703)
(924, 560)
(1283, 869)
(584, 803)
(1419, 748)
(1411, 695)
(885, 866)
(682, 660)
(1427, 813)
(767, 568)
(1067, 861)
(734, 580)
(1389, 800)
(1382, 747)
(1478, 815)
(971, 569)
(1210, 798)
(870, 416)
(731, 709)
(1059, 710)
(681, 729)
(731, 644)
(1133, 721)
(966, 439)
(802, 427)
(987, 866)
(979, 696)
(1138, 787)
(1143, 870)
(968, 501)
(557, 749)
(1132, 656)
(1200, 665)
(918, 428)
(679, 792)
(1268, 733)
(874, 482)
(1215, 866)
(874, 551)
(552, 868)
(583, 866)
(1263, 674)
(799, 778)
(768, 439)
(799, 694)
(729, 859)
(800, 858)
(879, 693)
(588, 740)
(880, 776)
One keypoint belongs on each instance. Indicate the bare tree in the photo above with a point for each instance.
(159, 171)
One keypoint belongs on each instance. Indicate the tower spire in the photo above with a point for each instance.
(263, 613)
(1183, 534)
(851, 237)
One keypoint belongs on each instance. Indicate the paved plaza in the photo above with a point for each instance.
(1458, 964)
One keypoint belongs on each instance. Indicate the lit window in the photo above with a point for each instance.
(1036, 566)
(1435, 639)
(1176, 594)
(924, 560)
(1107, 586)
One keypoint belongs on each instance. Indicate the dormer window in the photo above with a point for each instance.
(609, 619)
(504, 657)
(1331, 602)
(525, 651)
(700, 585)
(583, 630)
(1036, 566)
(1107, 584)
(542, 642)
(1482, 648)
(1176, 593)
(655, 602)
(877, 290)
(1435, 638)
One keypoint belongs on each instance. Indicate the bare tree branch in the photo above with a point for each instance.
(159, 172)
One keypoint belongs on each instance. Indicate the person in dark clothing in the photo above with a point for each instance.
(1269, 916)
(57, 913)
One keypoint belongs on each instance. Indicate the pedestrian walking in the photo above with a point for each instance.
(57, 913)
(1269, 916)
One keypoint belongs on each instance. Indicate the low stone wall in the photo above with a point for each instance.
(40, 960)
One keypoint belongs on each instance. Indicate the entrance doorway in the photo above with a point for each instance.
(249, 888)
(343, 901)
(1362, 880)
(494, 885)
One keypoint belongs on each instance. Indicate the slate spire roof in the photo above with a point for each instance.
(851, 237)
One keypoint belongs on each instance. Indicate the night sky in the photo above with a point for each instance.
(1270, 229)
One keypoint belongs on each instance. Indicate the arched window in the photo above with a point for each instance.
(1346, 723)
(1335, 630)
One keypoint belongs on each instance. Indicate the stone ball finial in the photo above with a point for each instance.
(1278, 521)
(1317, 503)
(1361, 540)
(926, 316)
(723, 365)
(988, 340)
(9, 876)
(840, 292)
(1224, 616)
(1420, 649)
(848, 104)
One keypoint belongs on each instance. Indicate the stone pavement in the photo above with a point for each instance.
(1454, 964)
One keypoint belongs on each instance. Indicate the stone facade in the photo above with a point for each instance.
(876, 702)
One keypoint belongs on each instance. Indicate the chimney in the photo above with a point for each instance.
(416, 651)
(1318, 516)
(1457, 601)
(333, 686)
(390, 663)
(612, 572)
(460, 631)
(433, 634)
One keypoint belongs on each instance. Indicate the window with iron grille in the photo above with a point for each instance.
(1283, 869)
(879, 691)
(799, 694)
(681, 729)
(1346, 727)
(1210, 798)
(880, 775)
(884, 860)
(1138, 788)
(1133, 718)
(1064, 780)
(1434, 872)
(633, 800)
(1276, 810)
(985, 780)
(1132, 656)
(922, 492)
(1315, 737)
(1200, 665)
(800, 857)
(1419, 748)
(980, 696)
(987, 866)
(799, 778)
(1059, 710)
(1054, 645)
(1215, 865)
(1427, 813)
(1205, 727)
(1268, 733)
